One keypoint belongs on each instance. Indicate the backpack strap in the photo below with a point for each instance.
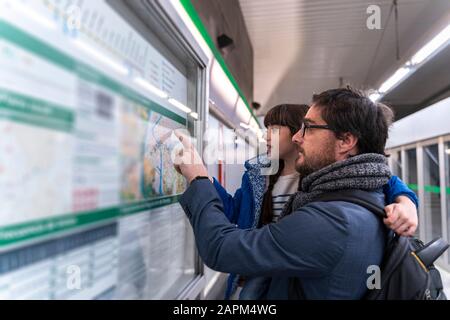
(359, 197)
(295, 289)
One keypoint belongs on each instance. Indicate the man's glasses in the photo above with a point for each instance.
(306, 125)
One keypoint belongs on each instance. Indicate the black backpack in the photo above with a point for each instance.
(407, 269)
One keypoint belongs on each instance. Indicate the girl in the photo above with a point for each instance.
(261, 199)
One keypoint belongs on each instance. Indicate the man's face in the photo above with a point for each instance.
(317, 147)
(282, 136)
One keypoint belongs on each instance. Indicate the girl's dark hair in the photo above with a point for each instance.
(287, 115)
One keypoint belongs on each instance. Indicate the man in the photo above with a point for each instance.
(327, 245)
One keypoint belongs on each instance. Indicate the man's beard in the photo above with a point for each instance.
(316, 163)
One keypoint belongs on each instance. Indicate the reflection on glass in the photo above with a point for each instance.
(157, 255)
(432, 198)
(397, 164)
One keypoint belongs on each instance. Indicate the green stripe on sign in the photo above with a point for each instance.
(84, 71)
(32, 44)
(413, 186)
(20, 108)
(45, 227)
(202, 29)
(141, 206)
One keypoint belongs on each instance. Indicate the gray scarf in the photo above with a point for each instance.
(364, 172)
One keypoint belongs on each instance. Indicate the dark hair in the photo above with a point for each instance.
(349, 110)
(287, 115)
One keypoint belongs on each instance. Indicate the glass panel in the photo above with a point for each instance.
(432, 198)
(397, 164)
(211, 152)
(86, 178)
(234, 164)
(447, 186)
(411, 173)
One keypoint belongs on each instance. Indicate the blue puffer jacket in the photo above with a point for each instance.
(244, 208)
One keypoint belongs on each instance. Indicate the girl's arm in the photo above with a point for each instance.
(231, 204)
(402, 207)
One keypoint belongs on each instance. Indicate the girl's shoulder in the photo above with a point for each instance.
(258, 162)
(253, 175)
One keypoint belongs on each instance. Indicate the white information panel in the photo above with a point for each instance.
(87, 111)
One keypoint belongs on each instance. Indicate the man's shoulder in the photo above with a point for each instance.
(342, 211)
(376, 198)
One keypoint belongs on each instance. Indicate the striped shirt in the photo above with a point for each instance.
(282, 190)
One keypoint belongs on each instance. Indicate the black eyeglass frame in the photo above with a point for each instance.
(306, 125)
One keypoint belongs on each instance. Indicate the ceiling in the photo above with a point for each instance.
(303, 47)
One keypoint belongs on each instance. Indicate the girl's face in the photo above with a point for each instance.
(285, 145)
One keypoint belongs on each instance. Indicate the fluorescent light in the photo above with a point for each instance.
(447, 151)
(375, 97)
(179, 105)
(101, 57)
(33, 15)
(254, 123)
(259, 133)
(242, 112)
(191, 27)
(431, 46)
(148, 86)
(221, 87)
(244, 125)
(394, 79)
(194, 115)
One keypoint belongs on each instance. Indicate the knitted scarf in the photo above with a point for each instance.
(363, 172)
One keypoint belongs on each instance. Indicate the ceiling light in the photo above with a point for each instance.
(244, 125)
(431, 46)
(375, 97)
(394, 79)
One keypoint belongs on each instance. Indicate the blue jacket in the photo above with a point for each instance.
(327, 245)
(244, 208)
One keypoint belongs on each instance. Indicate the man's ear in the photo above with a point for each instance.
(347, 144)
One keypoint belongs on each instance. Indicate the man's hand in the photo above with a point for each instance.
(188, 162)
(402, 216)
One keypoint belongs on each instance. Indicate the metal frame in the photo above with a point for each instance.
(427, 219)
(424, 219)
(421, 191)
(407, 164)
(404, 163)
(445, 198)
(194, 290)
(442, 180)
